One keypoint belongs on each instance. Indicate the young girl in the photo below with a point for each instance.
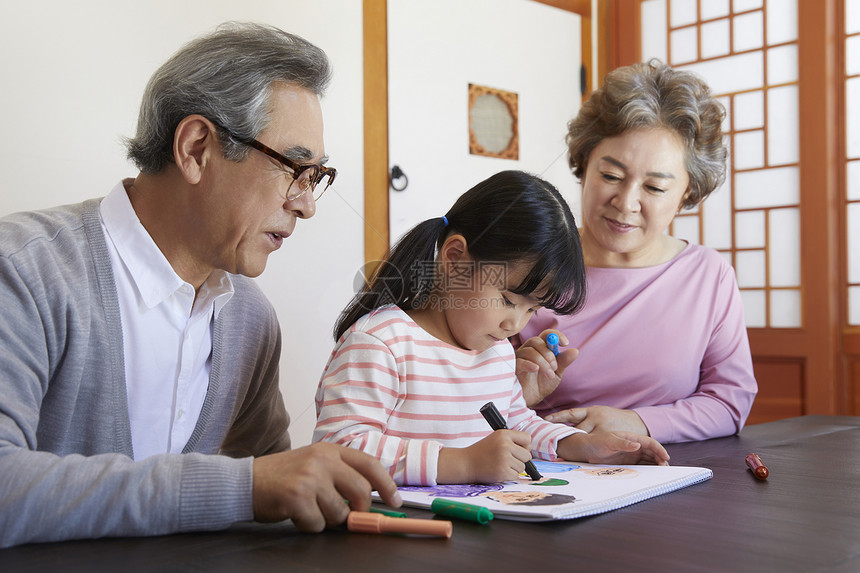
(425, 344)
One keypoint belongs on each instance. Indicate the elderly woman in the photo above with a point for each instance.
(660, 347)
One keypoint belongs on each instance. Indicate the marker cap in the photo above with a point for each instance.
(460, 510)
(367, 522)
(552, 342)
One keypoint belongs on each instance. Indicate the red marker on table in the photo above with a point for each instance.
(757, 466)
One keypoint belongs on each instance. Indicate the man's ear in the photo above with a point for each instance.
(194, 142)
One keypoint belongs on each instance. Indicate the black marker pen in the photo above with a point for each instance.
(496, 422)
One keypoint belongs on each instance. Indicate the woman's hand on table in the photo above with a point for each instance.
(600, 447)
(603, 418)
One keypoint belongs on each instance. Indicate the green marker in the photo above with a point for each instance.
(460, 510)
(387, 512)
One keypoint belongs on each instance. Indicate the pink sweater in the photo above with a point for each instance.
(401, 395)
(667, 341)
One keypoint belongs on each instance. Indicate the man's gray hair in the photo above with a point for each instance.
(226, 76)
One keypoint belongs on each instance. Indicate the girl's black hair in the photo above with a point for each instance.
(511, 217)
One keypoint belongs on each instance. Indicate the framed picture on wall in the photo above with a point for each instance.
(493, 122)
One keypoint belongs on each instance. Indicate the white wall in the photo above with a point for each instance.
(73, 74)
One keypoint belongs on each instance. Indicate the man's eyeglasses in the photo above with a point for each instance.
(305, 177)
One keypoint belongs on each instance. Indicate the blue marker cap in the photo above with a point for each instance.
(552, 342)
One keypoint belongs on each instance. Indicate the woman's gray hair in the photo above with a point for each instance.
(648, 95)
(226, 76)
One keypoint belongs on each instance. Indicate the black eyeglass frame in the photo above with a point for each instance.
(314, 178)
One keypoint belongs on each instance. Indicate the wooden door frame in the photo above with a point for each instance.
(376, 227)
(820, 186)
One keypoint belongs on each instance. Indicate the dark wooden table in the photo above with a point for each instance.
(804, 517)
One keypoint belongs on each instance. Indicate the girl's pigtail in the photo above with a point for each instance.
(404, 277)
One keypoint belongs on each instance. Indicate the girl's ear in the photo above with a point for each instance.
(453, 250)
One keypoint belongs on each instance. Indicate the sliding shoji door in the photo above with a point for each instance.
(776, 219)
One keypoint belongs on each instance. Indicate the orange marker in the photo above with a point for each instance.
(366, 522)
(756, 466)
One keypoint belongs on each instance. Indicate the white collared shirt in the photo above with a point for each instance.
(167, 332)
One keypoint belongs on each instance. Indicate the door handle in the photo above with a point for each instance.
(395, 175)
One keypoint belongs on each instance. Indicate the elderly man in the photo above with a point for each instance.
(138, 364)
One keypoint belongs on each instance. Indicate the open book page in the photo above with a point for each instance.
(567, 490)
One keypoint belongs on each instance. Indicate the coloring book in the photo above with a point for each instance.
(566, 491)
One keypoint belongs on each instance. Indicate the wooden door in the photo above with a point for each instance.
(446, 56)
(377, 207)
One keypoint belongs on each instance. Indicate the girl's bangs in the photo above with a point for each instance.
(555, 284)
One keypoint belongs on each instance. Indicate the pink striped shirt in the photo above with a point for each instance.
(394, 391)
